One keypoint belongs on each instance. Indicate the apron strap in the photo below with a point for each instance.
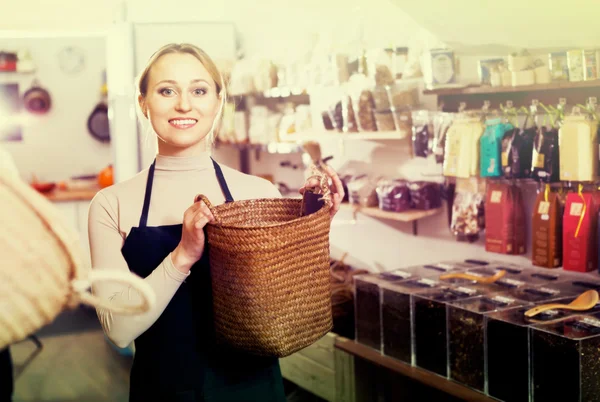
(144, 217)
(222, 182)
(220, 178)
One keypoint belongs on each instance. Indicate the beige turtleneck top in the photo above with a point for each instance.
(116, 209)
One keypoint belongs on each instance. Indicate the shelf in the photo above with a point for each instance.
(72, 195)
(417, 374)
(329, 135)
(408, 216)
(474, 90)
(272, 148)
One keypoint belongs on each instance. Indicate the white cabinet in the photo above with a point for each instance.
(75, 214)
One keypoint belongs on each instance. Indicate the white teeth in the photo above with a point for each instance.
(183, 122)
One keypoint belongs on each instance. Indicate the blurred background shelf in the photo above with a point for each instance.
(412, 216)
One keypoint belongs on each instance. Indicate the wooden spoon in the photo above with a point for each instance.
(584, 301)
(480, 279)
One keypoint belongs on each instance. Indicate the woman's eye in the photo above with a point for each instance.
(167, 91)
(199, 91)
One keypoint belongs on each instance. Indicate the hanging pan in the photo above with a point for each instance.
(37, 99)
(97, 123)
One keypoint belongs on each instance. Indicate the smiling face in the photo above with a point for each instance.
(181, 102)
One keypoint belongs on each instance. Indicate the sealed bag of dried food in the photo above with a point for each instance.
(441, 125)
(545, 158)
(364, 107)
(425, 195)
(466, 209)
(520, 154)
(336, 115)
(422, 133)
(348, 116)
(362, 190)
(547, 230)
(490, 147)
(462, 148)
(393, 195)
(578, 147)
(579, 232)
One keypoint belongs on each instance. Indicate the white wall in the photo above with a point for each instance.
(286, 29)
(57, 145)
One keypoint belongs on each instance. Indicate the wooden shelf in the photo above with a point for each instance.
(474, 90)
(408, 216)
(72, 195)
(412, 216)
(417, 374)
(364, 136)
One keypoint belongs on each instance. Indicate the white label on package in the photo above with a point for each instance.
(428, 282)
(467, 291)
(401, 273)
(503, 299)
(591, 321)
(551, 291)
(513, 282)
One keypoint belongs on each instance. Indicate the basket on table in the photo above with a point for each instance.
(42, 271)
(270, 274)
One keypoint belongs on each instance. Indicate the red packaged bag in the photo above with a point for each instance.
(499, 221)
(579, 232)
(520, 239)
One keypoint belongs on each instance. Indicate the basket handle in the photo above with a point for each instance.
(80, 288)
(202, 197)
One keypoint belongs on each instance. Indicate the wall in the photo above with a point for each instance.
(57, 145)
(265, 30)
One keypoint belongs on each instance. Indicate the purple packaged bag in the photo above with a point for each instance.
(425, 195)
(393, 195)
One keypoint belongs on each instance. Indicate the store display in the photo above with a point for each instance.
(566, 360)
(348, 116)
(381, 98)
(393, 195)
(425, 195)
(385, 120)
(490, 147)
(575, 63)
(441, 125)
(403, 95)
(547, 230)
(486, 69)
(467, 210)
(439, 68)
(430, 326)
(504, 218)
(543, 293)
(579, 233)
(545, 158)
(422, 133)
(517, 156)
(396, 316)
(508, 351)
(559, 67)
(578, 146)
(364, 107)
(466, 336)
(462, 148)
(362, 190)
(591, 63)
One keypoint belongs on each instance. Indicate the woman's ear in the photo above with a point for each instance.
(142, 103)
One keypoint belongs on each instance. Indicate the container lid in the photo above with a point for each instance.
(516, 315)
(576, 327)
(451, 293)
(543, 293)
(412, 286)
(487, 303)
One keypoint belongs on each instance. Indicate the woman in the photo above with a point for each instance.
(137, 225)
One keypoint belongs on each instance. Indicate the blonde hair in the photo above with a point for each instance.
(207, 62)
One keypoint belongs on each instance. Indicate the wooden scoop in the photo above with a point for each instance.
(480, 279)
(584, 301)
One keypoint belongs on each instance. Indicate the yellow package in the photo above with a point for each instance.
(578, 149)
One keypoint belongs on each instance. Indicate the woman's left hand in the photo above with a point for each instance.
(337, 189)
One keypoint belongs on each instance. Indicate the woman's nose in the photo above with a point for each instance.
(184, 104)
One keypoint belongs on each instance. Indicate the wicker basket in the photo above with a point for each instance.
(270, 275)
(42, 271)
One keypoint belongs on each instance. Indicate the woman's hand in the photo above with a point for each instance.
(337, 189)
(191, 246)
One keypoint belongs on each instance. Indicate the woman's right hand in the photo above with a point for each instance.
(191, 246)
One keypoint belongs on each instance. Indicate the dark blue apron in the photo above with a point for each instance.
(177, 358)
